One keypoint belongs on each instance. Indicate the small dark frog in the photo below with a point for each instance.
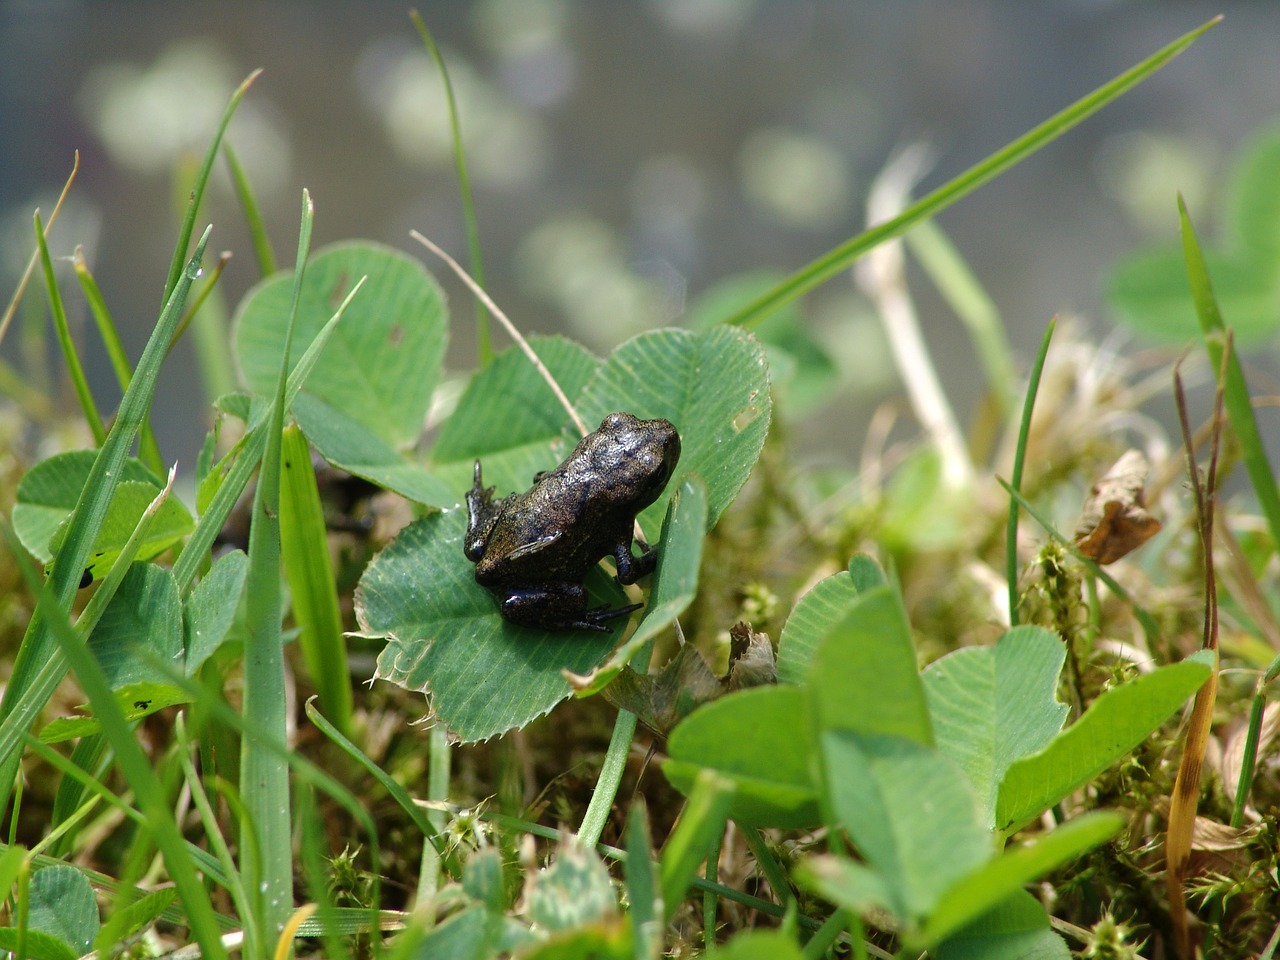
(533, 550)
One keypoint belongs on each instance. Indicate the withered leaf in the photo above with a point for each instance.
(663, 699)
(1115, 520)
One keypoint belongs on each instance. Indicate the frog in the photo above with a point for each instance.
(533, 550)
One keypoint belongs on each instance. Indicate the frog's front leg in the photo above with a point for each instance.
(632, 568)
(482, 514)
(559, 606)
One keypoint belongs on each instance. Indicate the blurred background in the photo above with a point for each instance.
(625, 157)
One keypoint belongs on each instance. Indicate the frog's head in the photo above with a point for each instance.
(654, 446)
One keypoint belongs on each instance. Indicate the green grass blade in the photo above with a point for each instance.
(642, 888)
(201, 181)
(82, 529)
(700, 824)
(1235, 389)
(484, 341)
(606, 791)
(148, 448)
(312, 590)
(264, 773)
(970, 302)
(1019, 461)
(833, 262)
(102, 316)
(262, 250)
(69, 355)
(399, 794)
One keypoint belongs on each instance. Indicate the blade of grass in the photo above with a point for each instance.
(836, 260)
(1250, 753)
(148, 449)
(133, 762)
(606, 789)
(201, 181)
(1226, 366)
(316, 872)
(264, 775)
(91, 508)
(12, 308)
(313, 593)
(1019, 461)
(484, 341)
(701, 822)
(970, 302)
(642, 889)
(209, 818)
(69, 355)
(244, 459)
(439, 762)
(394, 789)
(262, 250)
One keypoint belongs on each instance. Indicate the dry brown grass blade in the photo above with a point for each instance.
(10, 310)
(507, 325)
(1186, 788)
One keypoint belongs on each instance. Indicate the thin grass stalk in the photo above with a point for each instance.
(203, 294)
(69, 356)
(965, 295)
(767, 862)
(148, 448)
(209, 818)
(484, 340)
(709, 900)
(316, 872)
(12, 308)
(1019, 462)
(262, 249)
(817, 946)
(833, 262)
(397, 793)
(202, 181)
(264, 774)
(91, 508)
(1186, 787)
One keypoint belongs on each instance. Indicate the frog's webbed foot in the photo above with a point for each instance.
(632, 568)
(482, 514)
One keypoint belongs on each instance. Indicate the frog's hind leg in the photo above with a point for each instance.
(560, 607)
